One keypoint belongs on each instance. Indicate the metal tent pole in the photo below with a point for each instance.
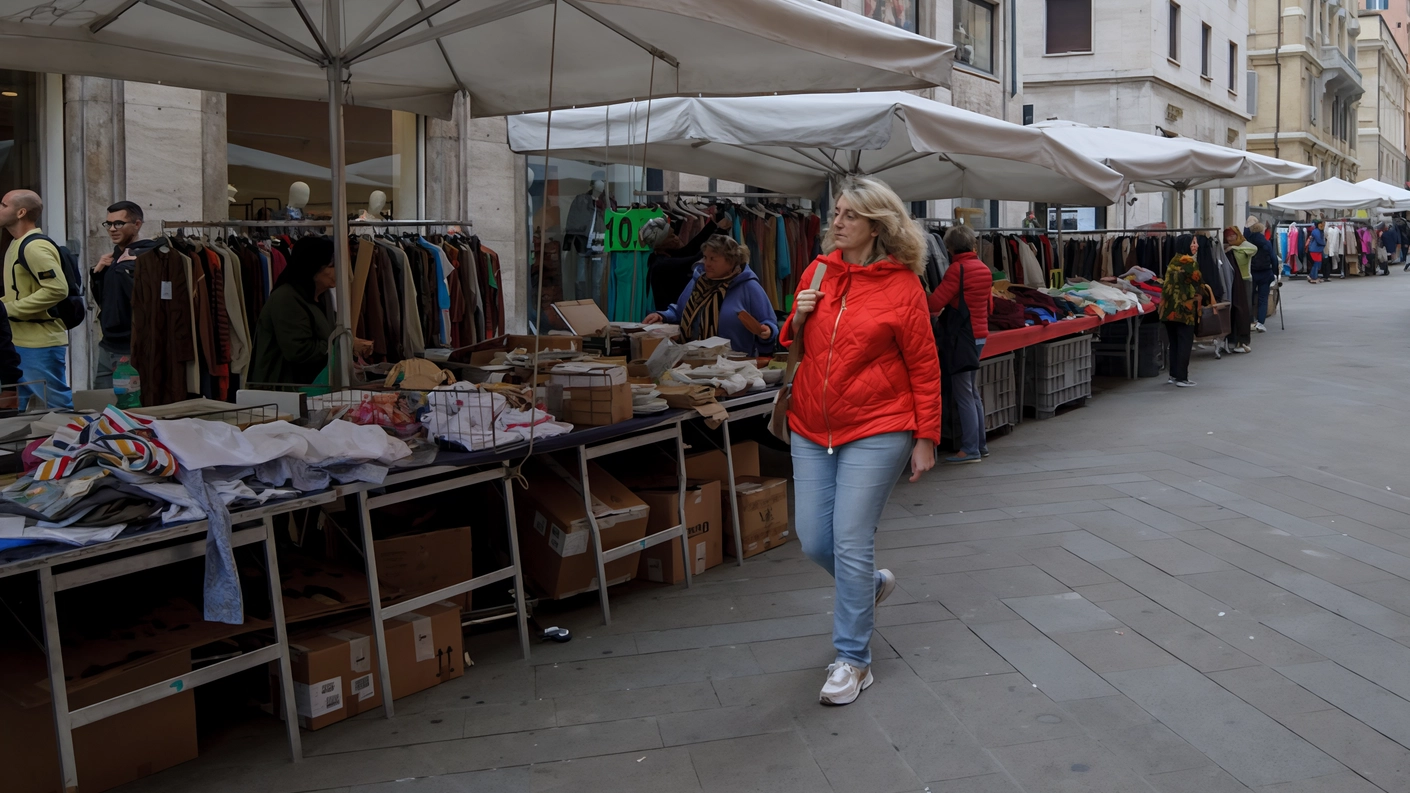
(342, 374)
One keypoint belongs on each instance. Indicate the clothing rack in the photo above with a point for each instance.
(693, 194)
(209, 224)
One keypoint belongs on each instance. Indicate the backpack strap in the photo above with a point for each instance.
(19, 259)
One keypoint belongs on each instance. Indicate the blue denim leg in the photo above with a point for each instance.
(45, 365)
(838, 499)
(1260, 291)
(970, 405)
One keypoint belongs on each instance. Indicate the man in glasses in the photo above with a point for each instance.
(112, 287)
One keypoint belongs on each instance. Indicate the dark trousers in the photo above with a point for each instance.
(1260, 299)
(1181, 338)
(1241, 328)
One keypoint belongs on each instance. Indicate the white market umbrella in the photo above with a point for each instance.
(506, 55)
(1334, 193)
(1398, 196)
(392, 53)
(795, 144)
(1155, 163)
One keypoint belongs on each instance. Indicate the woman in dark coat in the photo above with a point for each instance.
(293, 332)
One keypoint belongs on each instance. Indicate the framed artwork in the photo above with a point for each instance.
(901, 13)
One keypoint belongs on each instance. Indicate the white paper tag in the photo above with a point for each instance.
(166, 290)
(362, 687)
(654, 570)
(540, 523)
(359, 650)
(421, 634)
(699, 558)
(567, 544)
(318, 699)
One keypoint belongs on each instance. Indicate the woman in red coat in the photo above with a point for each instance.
(865, 399)
(977, 296)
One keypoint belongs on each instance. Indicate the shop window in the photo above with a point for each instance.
(901, 13)
(19, 135)
(974, 34)
(1377, 5)
(273, 143)
(1174, 44)
(1069, 27)
(1205, 34)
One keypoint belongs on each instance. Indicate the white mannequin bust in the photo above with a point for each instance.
(298, 195)
(597, 188)
(375, 202)
(230, 192)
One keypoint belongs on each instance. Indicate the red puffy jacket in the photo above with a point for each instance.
(869, 362)
(978, 291)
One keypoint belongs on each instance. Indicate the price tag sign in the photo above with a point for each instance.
(623, 226)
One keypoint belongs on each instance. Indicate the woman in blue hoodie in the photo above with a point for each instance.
(720, 288)
(1315, 247)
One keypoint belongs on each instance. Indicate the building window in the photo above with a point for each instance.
(1377, 5)
(1233, 67)
(1205, 35)
(1069, 26)
(1174, 52)
(974, 34)
(901, 13)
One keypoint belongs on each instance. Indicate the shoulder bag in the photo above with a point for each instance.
(778, 422)
(954, 335)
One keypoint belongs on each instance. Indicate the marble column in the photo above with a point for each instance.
(496, 196)
(95, 174)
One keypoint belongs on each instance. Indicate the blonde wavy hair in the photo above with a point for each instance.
(897, 235)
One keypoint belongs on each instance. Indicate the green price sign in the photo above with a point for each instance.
(622, 227)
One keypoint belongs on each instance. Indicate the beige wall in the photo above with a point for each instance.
(1381, 131)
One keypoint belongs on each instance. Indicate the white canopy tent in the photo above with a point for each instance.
(1334, 193)
(795, 144)
(1155, 163)
(507, 55)
(1398, 196)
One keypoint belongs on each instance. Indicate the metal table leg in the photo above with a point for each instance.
(58, 684)
(680, 504)
(374, 593)
(597, 549)
(281, 635)
(733, 499)
(519, 594)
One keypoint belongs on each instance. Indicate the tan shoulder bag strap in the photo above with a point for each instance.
(778, 422)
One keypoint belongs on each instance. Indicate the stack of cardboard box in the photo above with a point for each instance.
(763, 501)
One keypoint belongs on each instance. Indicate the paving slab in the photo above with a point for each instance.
(1248, 744)
(1067, 612)
(1114, 650)
(944, 651)
(779, 763)
(1001, 710)
(1365, 701)
(934, 744)
(1043, 661)
(1208, 778)
(1066, 567)
(613, 705)
(1270, 692)
(1363, 750)
(1177, 636)
(1077, 764)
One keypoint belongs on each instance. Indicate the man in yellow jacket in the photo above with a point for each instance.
(41, 340)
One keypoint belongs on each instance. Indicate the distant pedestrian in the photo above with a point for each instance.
(1263, 267)
(1390, 242)
(1316, 244)
(1030, 221)
(35, 283)
(112, 281)
(865, 401)
(969, 285)
(1240, 252)
(1179, 307)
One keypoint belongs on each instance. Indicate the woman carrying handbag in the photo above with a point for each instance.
(1180, 307)
(962, 301)
(866, 399)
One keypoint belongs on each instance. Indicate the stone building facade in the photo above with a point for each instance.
(1381, 132)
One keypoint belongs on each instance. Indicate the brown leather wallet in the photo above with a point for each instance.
(753, 325)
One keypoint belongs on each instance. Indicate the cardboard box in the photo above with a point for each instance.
(335, 676)
(597, 406)
(713, 465)
(424, 648)
(555, 538)
(588, 374)
(643, 344)
(703, 510)
(483, 354)
(763, 515)
(110, 752)
(419, 564)
(582, 317)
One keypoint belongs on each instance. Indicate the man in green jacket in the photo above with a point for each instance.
(41, 340)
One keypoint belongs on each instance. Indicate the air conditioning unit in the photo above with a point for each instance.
(1252, 92)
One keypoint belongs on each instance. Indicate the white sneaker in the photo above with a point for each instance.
(1171, 381)
(1242, 348)
(844, 684)
(1184, 384)
(888, 585)
(1259, 326)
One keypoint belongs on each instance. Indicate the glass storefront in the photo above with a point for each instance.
(273, 143)
(19, 134)
(567, 203)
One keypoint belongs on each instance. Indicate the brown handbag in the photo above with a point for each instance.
(1215, 318)
(778, 422)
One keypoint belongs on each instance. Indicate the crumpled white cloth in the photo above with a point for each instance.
(182, 507)
(732, 376)
(204, 444)
(14, 529)
(480, 420)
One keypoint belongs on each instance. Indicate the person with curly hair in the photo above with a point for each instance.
(1179, 307)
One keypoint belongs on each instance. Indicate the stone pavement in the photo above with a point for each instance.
(1179, 591)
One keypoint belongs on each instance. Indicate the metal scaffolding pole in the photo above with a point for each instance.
(340, 375)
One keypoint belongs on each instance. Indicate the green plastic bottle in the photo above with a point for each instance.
(127, 384)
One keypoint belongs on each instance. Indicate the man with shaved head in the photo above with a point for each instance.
(32, 288)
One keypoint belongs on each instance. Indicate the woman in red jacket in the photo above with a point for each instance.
(978, 294)
(865, 399)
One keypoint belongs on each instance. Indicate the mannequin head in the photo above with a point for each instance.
(597, 188)
(298, 195)
(375, 202)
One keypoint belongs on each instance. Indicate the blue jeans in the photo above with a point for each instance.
(838, 499)
(45, 365)
(970, 404)
(1316, 269)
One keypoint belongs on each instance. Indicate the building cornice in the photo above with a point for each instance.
(1137, 77)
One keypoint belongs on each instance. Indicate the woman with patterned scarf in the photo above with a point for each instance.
(724, 298)
(1179, 307)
